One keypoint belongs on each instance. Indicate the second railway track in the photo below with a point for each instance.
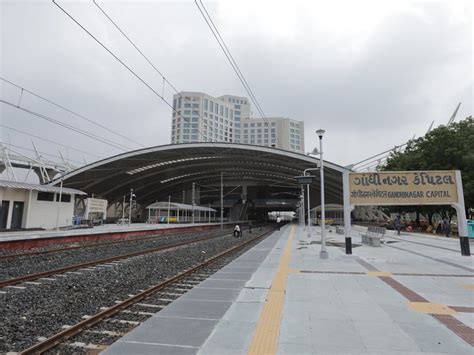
(69, 268)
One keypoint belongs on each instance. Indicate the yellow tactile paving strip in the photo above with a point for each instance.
(469, 287)
(430, 308)
(379, 273)
(265, 338)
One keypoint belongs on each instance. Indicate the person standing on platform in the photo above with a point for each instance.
(446, 227)
(278, 222)
(237, 232)
(397, 224)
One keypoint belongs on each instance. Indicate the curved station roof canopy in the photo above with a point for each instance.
(157, 172)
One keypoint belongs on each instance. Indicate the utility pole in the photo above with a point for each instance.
(169, 204)
(59, 203)
(222, 200)
(130, 208)
(194, 187)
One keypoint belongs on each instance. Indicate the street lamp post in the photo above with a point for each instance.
(323, 254)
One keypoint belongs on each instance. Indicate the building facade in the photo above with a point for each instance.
(199, 117)
(36, 206)
(276, 132)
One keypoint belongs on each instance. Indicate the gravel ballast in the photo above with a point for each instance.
(42, 310)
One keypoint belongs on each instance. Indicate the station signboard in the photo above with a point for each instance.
(403, 188)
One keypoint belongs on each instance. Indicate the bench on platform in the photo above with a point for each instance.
(373, 236)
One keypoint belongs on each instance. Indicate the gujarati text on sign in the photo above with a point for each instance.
(403, 188)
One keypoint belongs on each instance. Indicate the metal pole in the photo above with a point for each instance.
(123, 208)
(194, 185)
(461, 214)
(222, 200)
(59, 204)
(309, 207)
(130, 208)
(169, 203)
(323, 254)
(209, 213)
(302, 207)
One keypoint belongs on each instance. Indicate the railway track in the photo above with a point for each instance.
(38, 275)
(77, 247)
(178, 284)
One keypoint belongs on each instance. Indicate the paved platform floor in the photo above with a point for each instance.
(410, 296)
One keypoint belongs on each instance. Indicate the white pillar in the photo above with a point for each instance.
(347, 212)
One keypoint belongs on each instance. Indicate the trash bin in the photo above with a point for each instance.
(470, 228)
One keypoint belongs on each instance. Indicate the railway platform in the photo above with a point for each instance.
(414, 294)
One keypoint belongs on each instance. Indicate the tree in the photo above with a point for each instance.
(444, 148)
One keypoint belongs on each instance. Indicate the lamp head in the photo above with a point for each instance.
(320, 133)
(315, 151)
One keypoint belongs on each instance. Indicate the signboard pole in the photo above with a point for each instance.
(461, 213)
(347, 212)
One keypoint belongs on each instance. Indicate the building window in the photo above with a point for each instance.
(206, 104)
(64, 197)
(226, 112)
(216, 108)
(45, 196)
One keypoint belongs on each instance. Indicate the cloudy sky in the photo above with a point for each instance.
(372, 73)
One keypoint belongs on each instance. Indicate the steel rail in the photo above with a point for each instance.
(62, 270)
(41, 252)
(56, 339)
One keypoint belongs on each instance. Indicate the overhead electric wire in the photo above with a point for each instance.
(229, 56)
(134, 45)
(72, 112)
(50, 141)
(121, 62)
(65, 125)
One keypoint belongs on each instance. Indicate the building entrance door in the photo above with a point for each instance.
(4, 214)
(17, 215)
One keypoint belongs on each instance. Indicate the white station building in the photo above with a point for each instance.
(36, 206)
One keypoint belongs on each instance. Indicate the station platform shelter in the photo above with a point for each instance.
(247, 181)
(179, 212)
(412, 295)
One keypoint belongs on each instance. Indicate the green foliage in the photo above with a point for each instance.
(444, 148)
